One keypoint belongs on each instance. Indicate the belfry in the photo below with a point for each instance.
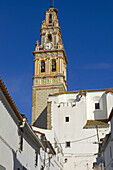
(50, 64)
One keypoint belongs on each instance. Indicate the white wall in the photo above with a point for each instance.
(108, 155)
(8, 134)
(81, 140)
(112, 128)
(109, 103)
(11, 157)
(79, 163)
(96, 97)
(56, 162)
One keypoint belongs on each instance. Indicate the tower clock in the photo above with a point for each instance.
(50, 64)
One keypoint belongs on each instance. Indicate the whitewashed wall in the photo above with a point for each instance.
(96, 97)
(82, 147)
(56, 162)
(108, 156)
(8, 134)
(11, 157)
(109, 103)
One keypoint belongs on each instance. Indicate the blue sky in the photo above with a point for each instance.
(87, 29)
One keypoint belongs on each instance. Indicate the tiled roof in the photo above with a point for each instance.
(85, 91)
(96, 123)
(9, 99)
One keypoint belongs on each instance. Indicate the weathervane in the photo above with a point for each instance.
(51, 4)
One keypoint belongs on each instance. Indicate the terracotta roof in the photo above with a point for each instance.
(9, 99)
(85, 91)
(96, 123)
(111, 115)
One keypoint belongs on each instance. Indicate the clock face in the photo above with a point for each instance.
(48, 46)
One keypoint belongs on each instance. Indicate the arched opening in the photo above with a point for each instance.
(49, 37)
(50, 18)
(53, 65)
(42, 66)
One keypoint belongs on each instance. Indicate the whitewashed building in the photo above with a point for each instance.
(20, 147)
(80, 119)
(105, 154)
(55, 160)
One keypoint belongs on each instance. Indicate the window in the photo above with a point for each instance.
(67, 119)
(50, 18)
(97, 106)
(36, 158)
(42, 66)
(67, 144)
(49, 37)
(53, 65)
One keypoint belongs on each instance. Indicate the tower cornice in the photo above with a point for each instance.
(58, 50)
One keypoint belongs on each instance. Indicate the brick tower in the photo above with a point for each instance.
(50, 64)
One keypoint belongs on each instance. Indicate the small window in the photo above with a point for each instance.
(97, 106)
(42, 66)
(53, 65)
(67, 119)
(36, 158)
(50, 18)
(21, 142)
(67, 144)
(49, 37)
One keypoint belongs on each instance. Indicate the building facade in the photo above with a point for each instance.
(80, 119)
(56, 161)
(50, 64)
(105, 154)
(20, 147)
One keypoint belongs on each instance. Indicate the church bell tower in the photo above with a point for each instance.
(50, 64)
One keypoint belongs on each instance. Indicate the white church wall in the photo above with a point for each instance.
(79, 163)
(112, 128)
(68, 121)
(109, 103)
(96, 97)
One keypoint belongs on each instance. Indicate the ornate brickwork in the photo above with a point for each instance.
(49, 65)
(49, 116)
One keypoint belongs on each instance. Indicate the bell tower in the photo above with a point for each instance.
(50, 64)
